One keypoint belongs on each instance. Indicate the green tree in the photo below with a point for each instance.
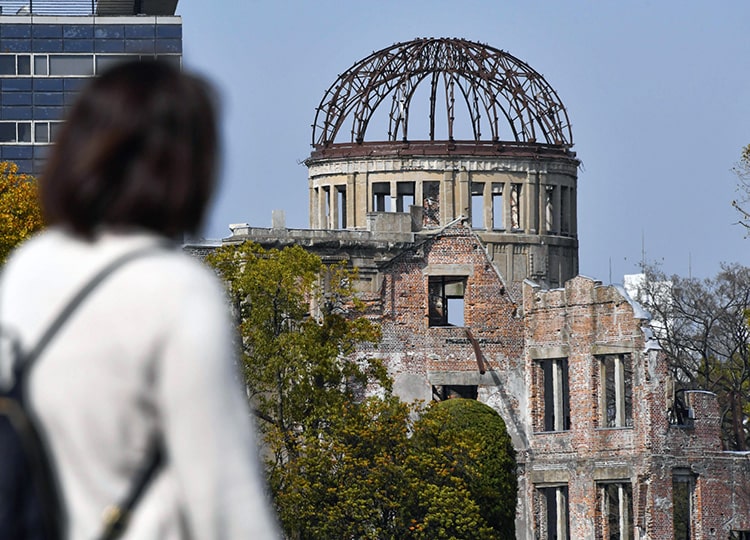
(462, 450)
(701, 325)
(340, 457)
(20, 214)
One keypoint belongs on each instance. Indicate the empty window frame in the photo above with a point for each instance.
(380, 192)
(340, 207)
(739, 535)
(497, 207)
(451, 391)
(431, 204)
(552, 520)
(615, 390)
(614, 501)
(683, 493)
(515, 206)
(446, 300)
(554, 394)
(477, 205)
(404, 196)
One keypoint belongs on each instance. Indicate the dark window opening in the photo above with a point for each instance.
(555, 394)
(739, 535)
(683, 486)
(431, 204)
(341, 206)
(24, 64)
(614, 511)
(380, 191)
(7, 132)
(446, 300)
(404, 196)
(451, 391)
(7, 64)
(616, 390)
(552, 517)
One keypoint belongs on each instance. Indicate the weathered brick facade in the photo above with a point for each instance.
(445, 235)
(610, 435)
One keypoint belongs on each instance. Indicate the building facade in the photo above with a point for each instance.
(49, 50)
(467, 254)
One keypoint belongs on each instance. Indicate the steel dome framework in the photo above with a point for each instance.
(492, 84)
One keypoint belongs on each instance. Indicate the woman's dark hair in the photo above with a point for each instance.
(138, 149)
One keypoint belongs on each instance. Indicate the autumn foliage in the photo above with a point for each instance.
(20, 214)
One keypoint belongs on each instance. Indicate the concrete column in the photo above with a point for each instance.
(362, 192)
(574, 211)
(322, 200)
(487, 205)
(464, 194)
(531, 203)
(313, 205)
(418, 193)
(447, 192)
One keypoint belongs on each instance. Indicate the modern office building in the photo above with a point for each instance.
(50, 48)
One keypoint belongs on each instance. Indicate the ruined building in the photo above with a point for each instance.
(443, 170)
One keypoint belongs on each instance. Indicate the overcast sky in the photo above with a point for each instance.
(658, 94)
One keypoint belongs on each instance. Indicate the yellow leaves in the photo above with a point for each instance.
(20, 213)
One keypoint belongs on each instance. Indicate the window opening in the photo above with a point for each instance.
(683, 488)
(739, 535)
(24, 64)
(380, 191)
(41, 65)
(341, 206)
(616, 390)
(477, 205)
(552, 518)
(497, 207)
(555, 399)
(24, 132)
(41, 132)
(431, 204)
(515, 206)
(7, 64)
(614, 511)
(446, 300)
(68, 64)
(7, 131)
(451, 391)
(404, 196)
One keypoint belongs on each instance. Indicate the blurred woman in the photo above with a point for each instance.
(148, 358)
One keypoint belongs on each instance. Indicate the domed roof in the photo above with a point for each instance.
(488, 84)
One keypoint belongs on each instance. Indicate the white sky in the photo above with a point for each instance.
(658, 93)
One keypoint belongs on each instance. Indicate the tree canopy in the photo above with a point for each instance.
(702, 325)
(20, 214)
(742, 170)
(345, 458)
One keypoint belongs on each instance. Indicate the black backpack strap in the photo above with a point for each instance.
(116, 524)
(116, 517)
